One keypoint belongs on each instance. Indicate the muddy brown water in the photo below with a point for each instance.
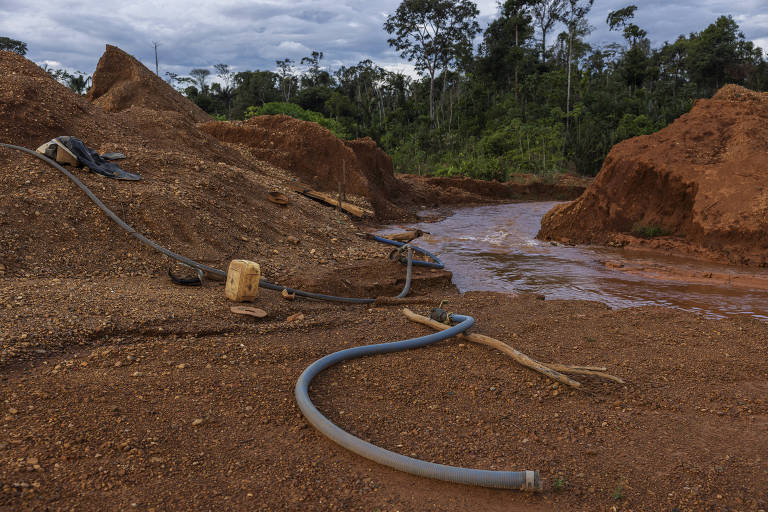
(493, 248)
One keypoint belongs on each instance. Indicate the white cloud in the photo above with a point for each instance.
(252, 34)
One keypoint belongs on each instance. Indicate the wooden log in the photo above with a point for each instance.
(518, 356)
(351, 209)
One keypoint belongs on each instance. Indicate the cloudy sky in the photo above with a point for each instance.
(252, 34)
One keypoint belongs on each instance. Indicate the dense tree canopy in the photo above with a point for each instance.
(530, 94)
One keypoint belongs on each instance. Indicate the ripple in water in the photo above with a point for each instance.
(493, 248)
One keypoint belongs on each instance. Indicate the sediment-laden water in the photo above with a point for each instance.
(493, 248)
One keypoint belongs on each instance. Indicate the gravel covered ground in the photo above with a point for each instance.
(129, 393)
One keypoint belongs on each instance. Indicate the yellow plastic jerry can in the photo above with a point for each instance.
(242, 281)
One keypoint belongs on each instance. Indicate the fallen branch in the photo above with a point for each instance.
(554, 371)
(518, 356)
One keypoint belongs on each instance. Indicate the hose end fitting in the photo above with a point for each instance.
(532, 482)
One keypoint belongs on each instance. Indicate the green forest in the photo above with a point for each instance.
(525, 94)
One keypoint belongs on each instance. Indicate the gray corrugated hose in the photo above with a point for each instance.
(215, 271)
(528, 480)
(523, 480)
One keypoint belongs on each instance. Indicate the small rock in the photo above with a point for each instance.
(197, 421)
(292, 239)
(295, 317)
(181, 366)
(31, 461)
(13, 411)
(137, 374)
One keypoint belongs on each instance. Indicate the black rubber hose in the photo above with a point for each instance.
(524, 480)
(215, 271)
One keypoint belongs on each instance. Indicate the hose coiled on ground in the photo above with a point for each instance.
(217, 272)
(524, 480)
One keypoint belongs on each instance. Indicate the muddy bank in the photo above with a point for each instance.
(700, 181)
(438, 191)
(170, 401)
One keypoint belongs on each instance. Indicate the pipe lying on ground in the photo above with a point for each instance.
(523, 480)
(220, 273)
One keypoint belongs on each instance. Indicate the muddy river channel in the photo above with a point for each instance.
(493, 248)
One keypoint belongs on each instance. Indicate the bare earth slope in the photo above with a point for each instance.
(704, 179)
(198, 196)
(120, 82)
(317, 157)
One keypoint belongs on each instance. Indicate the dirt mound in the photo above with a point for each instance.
(317, 157)
(120, 82)
(35, 108)
(702, 180)
(307, 149)
(198, 197)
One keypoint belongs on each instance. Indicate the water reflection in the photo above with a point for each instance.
(493, 248)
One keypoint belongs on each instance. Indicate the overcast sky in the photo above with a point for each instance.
(252, 34)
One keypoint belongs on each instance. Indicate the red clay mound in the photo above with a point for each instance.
(35, 108)
(703, 179)
(120, 82)
(316, 157)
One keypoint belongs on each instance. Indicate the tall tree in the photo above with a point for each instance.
(502, 52)
(547, 13)
(719, 54)
(433, 34)
(13, 45)
(315, 75)
(78, 83)
(200, 75)
(227, 77)
(254, 88)
(574, 16)
(621, 19)
(287, 74)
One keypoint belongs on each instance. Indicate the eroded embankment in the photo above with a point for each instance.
(701, 181)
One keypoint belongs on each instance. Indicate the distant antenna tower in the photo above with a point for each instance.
(157, 67)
